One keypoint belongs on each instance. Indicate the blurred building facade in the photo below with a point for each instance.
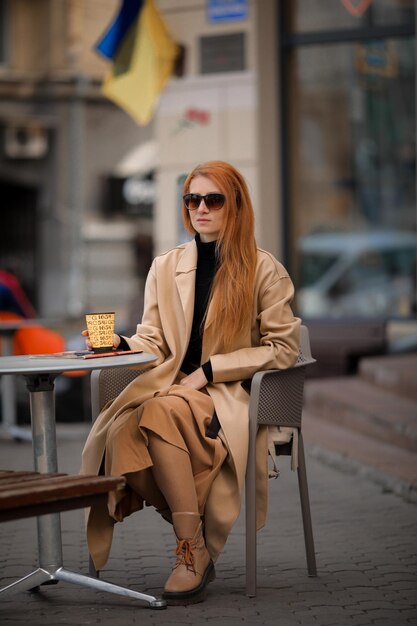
(312, 101)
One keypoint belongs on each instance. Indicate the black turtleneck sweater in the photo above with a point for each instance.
(206, 269)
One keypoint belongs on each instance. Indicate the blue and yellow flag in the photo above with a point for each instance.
(143, 55)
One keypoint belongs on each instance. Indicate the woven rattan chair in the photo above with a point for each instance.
(107, 384)
(276, 398)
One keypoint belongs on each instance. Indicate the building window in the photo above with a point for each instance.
(350, 123)
(3, 30)
(308, 16)
(222, 53)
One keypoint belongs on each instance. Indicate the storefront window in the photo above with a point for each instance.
(319, 15)
(3, 31)
(350, 153)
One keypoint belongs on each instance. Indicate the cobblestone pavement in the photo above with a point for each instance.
(366, 545)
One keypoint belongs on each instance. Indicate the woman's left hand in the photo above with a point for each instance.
(195, 380)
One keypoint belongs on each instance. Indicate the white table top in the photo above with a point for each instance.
(48, 364)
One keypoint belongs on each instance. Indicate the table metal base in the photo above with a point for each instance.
(51, 567)
(43, 575)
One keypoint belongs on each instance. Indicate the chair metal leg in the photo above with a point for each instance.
(305, 509)
(250, 510)
(250, 543)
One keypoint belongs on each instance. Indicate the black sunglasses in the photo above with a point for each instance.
(213, 201)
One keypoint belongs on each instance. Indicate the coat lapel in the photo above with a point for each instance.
(185, 281)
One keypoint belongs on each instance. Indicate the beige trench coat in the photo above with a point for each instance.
(271, 342)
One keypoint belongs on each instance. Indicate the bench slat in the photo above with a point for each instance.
(30, 493)
(7, 481)
(37, 479)
(59, 488)
(45, 508)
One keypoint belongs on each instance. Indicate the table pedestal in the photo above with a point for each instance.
(42, 403)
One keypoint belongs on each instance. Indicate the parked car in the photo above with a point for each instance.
(358, 274)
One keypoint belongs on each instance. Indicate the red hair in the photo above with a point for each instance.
(232, 290)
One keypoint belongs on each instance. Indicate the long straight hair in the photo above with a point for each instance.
(232, 290)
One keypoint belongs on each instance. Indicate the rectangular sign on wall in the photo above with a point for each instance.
(227, 10)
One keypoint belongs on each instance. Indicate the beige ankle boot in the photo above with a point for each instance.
(194, 568)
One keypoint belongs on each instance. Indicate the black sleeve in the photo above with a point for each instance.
(208, 371)
(123, 345)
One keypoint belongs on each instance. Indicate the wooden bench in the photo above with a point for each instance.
(339, 344)
(27, 494)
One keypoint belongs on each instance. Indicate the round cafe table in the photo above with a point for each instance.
(40, 372)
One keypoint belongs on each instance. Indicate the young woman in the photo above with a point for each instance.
(217, 310)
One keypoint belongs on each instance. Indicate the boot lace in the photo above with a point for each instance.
(185, 555)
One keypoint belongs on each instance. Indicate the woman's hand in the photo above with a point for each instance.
(116, 340)
(195, 380)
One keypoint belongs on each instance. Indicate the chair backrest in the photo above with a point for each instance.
(276, 396)
(106, 385)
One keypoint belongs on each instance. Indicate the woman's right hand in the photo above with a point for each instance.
(116, 340)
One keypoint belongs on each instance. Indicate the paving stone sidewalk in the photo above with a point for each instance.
(366, 545)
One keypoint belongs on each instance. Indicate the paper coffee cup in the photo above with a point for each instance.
(100, 328)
